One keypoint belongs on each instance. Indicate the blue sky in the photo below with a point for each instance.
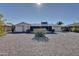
(33, 13)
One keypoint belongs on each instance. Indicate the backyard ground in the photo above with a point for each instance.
(59, 44)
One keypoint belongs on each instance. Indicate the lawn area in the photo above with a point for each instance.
(59, 44)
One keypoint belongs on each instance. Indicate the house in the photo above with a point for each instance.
(44, 25)
(26, 27)
(8, 27)
(76, 25)
(22, 27)
(58, 28)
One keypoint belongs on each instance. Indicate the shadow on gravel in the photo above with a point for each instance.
(41, 39)
(26, 33)
(19, 33)
(52, 33)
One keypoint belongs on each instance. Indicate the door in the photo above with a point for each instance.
(19, 29)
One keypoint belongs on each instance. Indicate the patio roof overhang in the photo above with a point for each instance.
(40, 25)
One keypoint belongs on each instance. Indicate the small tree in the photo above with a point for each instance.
(74, 29)
(2, 28)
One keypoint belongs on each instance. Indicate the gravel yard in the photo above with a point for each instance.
(59, 44)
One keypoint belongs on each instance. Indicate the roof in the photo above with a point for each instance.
(59, 25)
(8, 24)
(22, 23)
(41, 24)
(74, 24)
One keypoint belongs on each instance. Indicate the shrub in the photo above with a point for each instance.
(2, 28)
(74, 29)
(39, 34)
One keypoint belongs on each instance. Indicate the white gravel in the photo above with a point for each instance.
(60, 44)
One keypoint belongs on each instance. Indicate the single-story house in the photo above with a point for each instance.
(76, 25)
(8, 27)
(46, 26)
(26, 27)
(22, 27)
(58, 28)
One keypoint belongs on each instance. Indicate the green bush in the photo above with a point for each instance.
(74, 29)
(39, 34)
(2, 28)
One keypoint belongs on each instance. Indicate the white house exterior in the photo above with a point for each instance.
(58, 28)
(22, 27)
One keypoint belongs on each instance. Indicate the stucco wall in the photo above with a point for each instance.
(57, 28)
(21, 28)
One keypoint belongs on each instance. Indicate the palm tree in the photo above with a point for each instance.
(60, 23)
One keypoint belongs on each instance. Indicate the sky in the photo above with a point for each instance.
(34, 13)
